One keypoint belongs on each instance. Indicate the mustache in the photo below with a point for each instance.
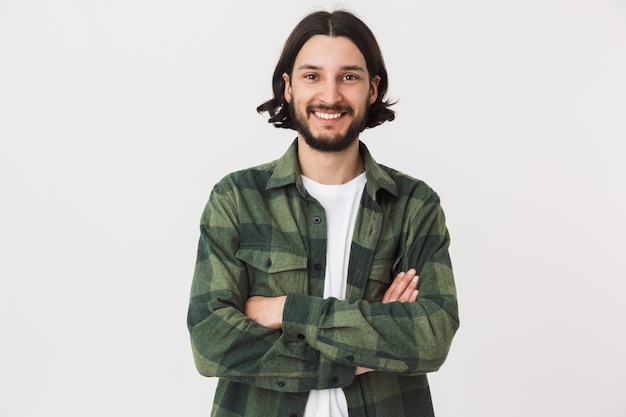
(329, 109)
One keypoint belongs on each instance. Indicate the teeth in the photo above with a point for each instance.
(328, 116)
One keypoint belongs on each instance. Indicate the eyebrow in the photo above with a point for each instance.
(344, 68)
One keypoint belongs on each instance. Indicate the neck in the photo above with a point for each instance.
(331, 168)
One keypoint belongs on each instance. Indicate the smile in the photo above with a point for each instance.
(327, 116)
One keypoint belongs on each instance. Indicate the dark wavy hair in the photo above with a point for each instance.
(336, 23)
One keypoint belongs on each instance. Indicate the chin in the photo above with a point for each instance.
(325, 144)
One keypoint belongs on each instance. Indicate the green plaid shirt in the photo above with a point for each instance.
(262, 234)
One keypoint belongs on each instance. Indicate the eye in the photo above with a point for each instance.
(311, 77)
(350, 77)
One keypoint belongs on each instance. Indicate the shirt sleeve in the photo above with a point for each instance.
(225, 343)
(406, 338)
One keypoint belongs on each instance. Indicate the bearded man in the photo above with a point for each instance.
(323, 284)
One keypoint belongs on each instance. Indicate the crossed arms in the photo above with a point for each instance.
(268, 311)
(298, 342)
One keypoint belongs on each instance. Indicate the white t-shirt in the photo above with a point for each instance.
(341, 204)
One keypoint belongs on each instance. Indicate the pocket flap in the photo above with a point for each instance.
(272, 260)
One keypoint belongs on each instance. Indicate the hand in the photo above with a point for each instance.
(403, 288)
(266, 311)
(361, 370)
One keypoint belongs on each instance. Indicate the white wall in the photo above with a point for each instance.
(117, 117)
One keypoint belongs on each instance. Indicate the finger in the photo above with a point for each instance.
(361, 370)
(393, 287)
(409, 291)
(403, 284)
(398, 286)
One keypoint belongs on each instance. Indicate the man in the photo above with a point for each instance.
(305, 297)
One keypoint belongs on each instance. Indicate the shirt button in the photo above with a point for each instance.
(334, 380)
(301, 336)
(317, 220)
(350, 358)
(281, 384)
(268, 263)
(317, 267)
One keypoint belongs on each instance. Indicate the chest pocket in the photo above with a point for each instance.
(274, 271)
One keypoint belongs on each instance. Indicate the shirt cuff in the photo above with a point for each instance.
(301, 320)
(301, 316)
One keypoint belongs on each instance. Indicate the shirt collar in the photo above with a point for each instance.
(287, 172)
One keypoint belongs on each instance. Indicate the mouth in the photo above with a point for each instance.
(329, 114)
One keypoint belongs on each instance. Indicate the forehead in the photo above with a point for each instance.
(329, 52)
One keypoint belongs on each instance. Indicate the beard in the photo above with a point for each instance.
(338, 142)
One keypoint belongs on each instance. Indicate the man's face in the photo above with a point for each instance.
(330, 92)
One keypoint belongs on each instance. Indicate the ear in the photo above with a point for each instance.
(374, 88)
(287, 93)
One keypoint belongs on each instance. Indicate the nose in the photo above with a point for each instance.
(331, 93)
